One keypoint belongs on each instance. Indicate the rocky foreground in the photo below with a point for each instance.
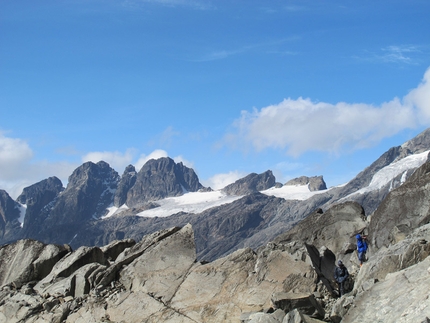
(289, 280)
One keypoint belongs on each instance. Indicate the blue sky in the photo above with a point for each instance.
(228, 87)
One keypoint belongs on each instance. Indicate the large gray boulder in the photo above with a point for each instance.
(334, 229)
(28, 260)
(171, 259)
(405, 253)
(402, 298)
(66, 268)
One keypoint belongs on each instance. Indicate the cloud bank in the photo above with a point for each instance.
(301, 125)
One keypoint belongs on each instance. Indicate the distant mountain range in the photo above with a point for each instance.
(99, 206)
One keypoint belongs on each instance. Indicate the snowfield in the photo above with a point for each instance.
(386, 174)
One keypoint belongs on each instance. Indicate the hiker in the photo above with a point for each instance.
(340, 275)
(361, 248)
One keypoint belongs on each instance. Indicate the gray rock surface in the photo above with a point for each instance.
(9, 214)
(28, 260)
(128, 179)
(37, 197)
(402, 297)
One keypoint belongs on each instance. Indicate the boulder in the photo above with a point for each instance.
(113, 249)
(332, 229)
(68, 265)
(170, 259)
(261, 317)
(295, 316)
(412, 250)
(304, 302)
(402, 297)
(28, 260)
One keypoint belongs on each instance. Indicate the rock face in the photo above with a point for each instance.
(162, 178)
(251, 184)
(9, 214)
(28, 260)
(37, 197)
(128, 179)
(315, 183)
(159, 280)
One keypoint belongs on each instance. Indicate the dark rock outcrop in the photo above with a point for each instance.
(37, 197)
(88, 194)
(315, 183)
(128, 179)
(251, 184)
(9, 215)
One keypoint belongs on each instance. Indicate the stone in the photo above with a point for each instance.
(28, 260)
(113, 249)
(402, 297)
(305, 303)
(171, 258)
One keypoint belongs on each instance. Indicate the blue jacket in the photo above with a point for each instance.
(361, 244)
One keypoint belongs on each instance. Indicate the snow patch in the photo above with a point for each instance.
(112, 210)
(292, 192)
(22, 211)
(386, 174)
(192, 202)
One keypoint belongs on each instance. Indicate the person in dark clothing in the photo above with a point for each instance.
(340, 275)
(361, 248)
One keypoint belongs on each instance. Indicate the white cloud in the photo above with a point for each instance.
(398, 54)
(156, 154)
(181, 159)
(19, 170)
(13, 153)
(117, 160)
(394, 54)
(302, 125)
(220, 181)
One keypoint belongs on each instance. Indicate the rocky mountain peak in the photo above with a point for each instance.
(36, 197)
(160, 178)
(251, 184)
(315, 183)
(89, 192)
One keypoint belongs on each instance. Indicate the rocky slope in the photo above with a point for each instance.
(159, 278)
